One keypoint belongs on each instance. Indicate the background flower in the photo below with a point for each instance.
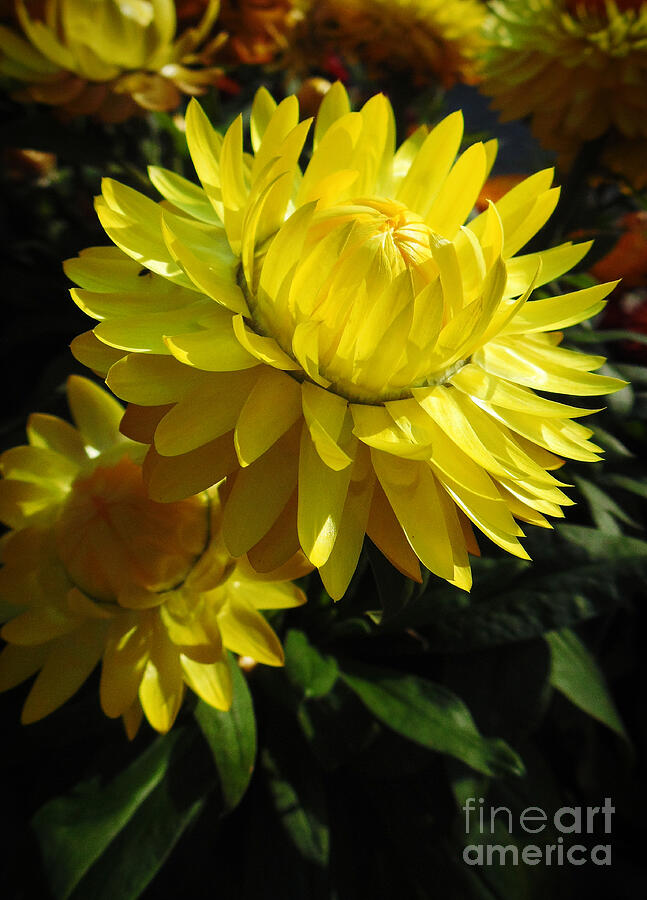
(577, 69)
(95, 571)
(338, 344)
(109, 58)
(431, 39)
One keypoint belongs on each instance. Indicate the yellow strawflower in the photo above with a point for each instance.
(578, 68)
(93, 570)
(433, 39)
(110, 58)
(338, 343)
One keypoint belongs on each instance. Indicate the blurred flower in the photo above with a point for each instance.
(628, 259)
(94, 570)
(28, 165)
(109, 58)
(338, 343)
(433, 39)
(628, 307)
(258, 29)
(628, 312)
(310, 95)
(578, 68)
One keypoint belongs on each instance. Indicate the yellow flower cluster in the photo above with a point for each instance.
(94, 571)
(109, 58)
(338, 343)
(578, 68)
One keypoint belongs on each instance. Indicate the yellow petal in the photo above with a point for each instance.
(17, 664)
(126, 653)
(70, 661)
(554, 262)
(271, 408)
(263, 109)
(183, 194)
(412, 491)
(475, 382)
(386, 533)
(265, 349)
(334, 105)
(431, 164)
(340, 566)
(20, 499)
(205, 413)
(245, 631)
(211, 682)
(94, 354)
(329, 422)
(560, 312)
(139, 422)
(170, 478)
(212, 350)
(55, 434)
(152, 380)
(280, 544)
(161, 688)
(458, 194)
(322, 494)
(39, 464)
(259, 493)
(205, 145)
(96, 413)
(265, 594)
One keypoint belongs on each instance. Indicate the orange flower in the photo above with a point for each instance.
(258, 29)
(628, 259)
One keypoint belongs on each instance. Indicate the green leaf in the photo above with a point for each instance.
(505, 688)
(612, 445)
(586, 336)
(430, 715)
(577, 573)
(604, 510)
(298, 799)
(312, 673)
(107, 841)
(603, 548)
(231, 737)
(575, 673)
(633, 485)
(296, 789)
(637, 375)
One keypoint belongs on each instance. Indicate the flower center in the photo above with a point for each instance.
(355, 288)
(110, 536)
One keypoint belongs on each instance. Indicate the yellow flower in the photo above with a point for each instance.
(578, 68)
(95, 570)
(430, 38)
(110, 58)
(337, 343)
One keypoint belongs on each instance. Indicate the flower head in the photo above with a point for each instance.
(578, 68)
(338, 344)
(258, 29)
(95, 570)
(110, 58)
(434, 39)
